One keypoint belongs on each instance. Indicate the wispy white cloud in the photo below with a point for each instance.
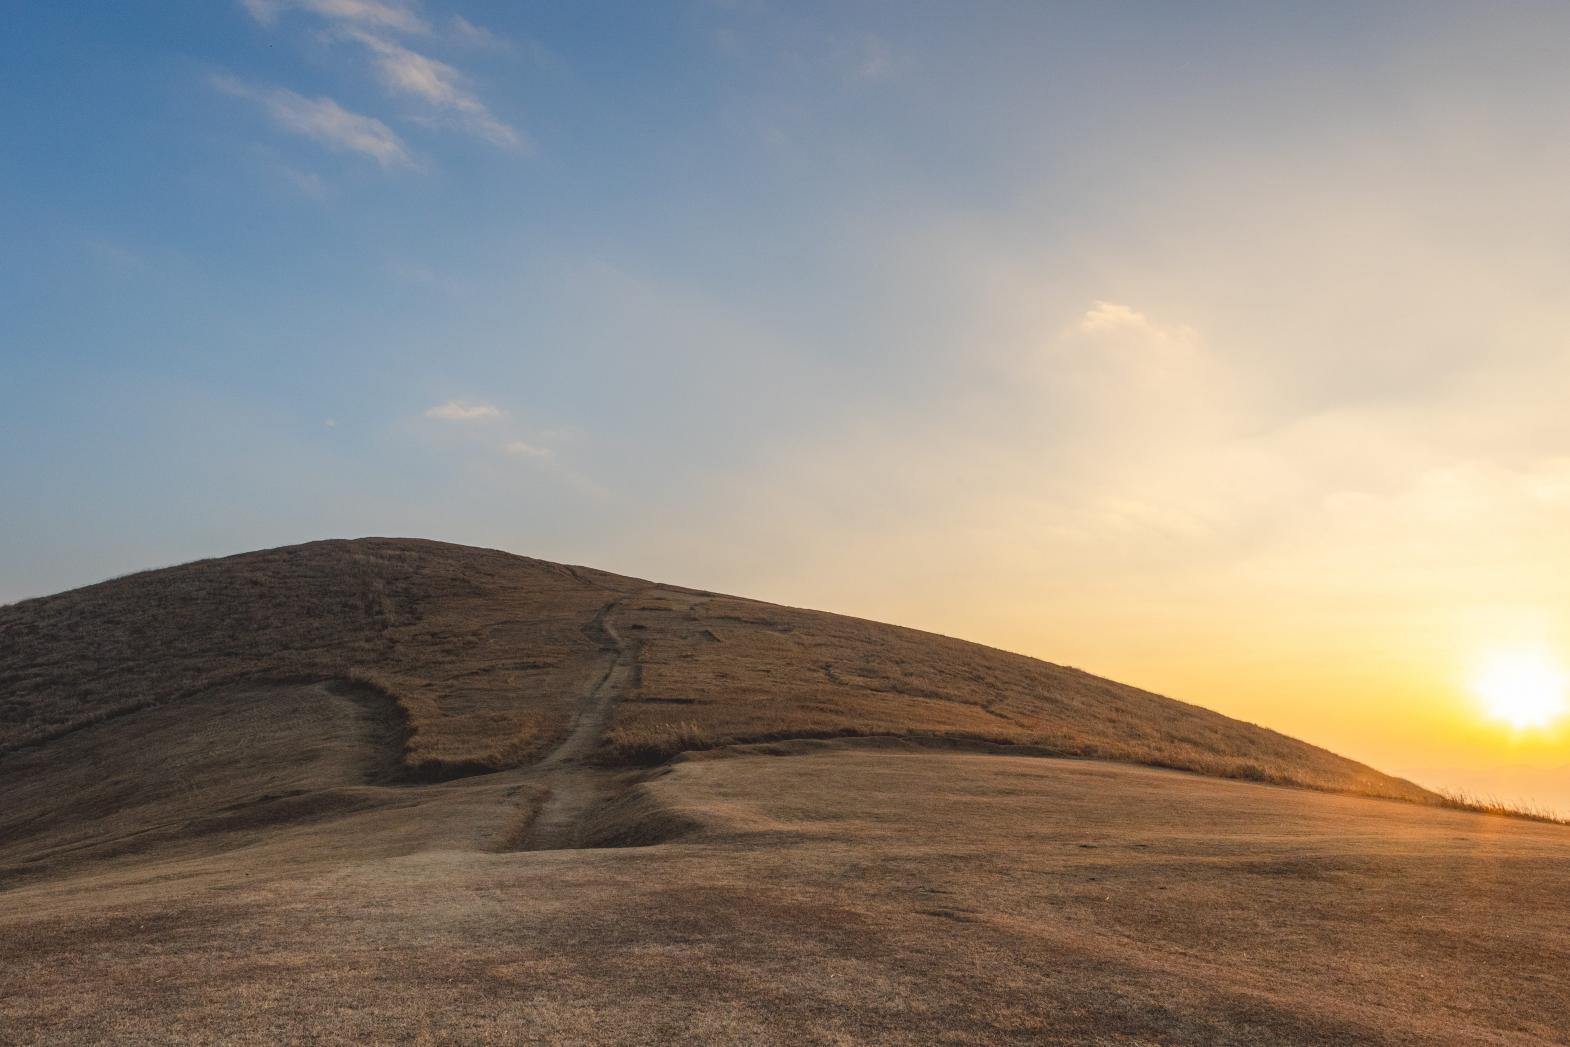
(298, 181)
(470, 35)
(485, 436)
(872, 60)
(379, 14)
(425, 277)
(115, 256)
(523, 449)
(463, 411)
(324, 121)
(306, 183)
(1112, 319)
(437, 84)
(377, 26)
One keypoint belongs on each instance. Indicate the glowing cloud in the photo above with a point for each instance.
(1105, 319)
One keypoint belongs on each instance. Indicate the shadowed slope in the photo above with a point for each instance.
(174, 779)
(490, 658)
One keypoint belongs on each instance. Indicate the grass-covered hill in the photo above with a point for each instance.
(487, 659)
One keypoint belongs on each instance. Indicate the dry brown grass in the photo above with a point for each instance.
(717, 670)
(484, 651)
(488, 656)
(1461, 800)
(227, 814)
(832, 896)
(655, 743)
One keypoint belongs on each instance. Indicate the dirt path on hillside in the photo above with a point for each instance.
(574, 787)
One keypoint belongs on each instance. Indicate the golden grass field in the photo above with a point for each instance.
(399, 791)
(831, 895)
(485, 655)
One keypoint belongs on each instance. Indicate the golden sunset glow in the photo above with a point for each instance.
(1524, 688)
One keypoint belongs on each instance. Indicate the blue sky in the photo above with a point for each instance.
(1217, 347)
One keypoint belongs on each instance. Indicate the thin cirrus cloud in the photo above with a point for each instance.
(522, 449)
(462, 411)
(466, 32)
(403, 71)
(873, 61)
(378, 13)
(439, 85)
(323, 120)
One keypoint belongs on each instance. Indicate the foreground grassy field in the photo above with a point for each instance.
(829, 895)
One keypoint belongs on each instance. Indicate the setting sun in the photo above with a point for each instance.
(1521, 688)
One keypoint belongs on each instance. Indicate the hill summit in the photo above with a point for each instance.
(482, 660)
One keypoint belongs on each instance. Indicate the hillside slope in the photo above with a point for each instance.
(484, 660)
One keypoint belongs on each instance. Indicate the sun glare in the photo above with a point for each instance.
(1522, 688)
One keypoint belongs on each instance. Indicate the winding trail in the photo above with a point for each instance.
(574, 787)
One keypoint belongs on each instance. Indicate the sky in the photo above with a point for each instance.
(1221, 349)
